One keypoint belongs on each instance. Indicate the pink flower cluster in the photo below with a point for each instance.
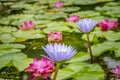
(54, 37)
(108, 24)
(58, 4)
(73, 18)
(116, 71)
(41, 68)
(27, 25)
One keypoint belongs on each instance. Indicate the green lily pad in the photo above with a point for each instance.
(7, 38)
(81, 71)
(99, 49)
(50, 16)
(7, 29)
(16, 59)
(87, 14)
(20, 5)
(85, 2)
(70, 9)
(57, 26)
(10, 48)
(80, 56)
(28, 34)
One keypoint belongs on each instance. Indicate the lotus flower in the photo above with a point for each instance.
(116, 71)
(58, 4)
(108, 24)
(40, 68)
(27, 25)
(54, 37)
(86, 25)
(73, 18)
(59, 52)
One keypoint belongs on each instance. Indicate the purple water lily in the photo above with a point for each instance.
(59, 52)
(86, 25)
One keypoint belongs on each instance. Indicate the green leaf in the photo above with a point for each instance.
(7, 29)
(57, 26)
(111, 35)
(90, 72)
(28, 34)
(87, 14)
(50, 16)
(17, 59)
(99, 49)
(80, 56)
(9, 46)
(82, 71)
(6, 51)
(70, 9)
(7, 38)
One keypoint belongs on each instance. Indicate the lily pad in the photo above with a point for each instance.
(7, 29)
(50, 16)
(16, 59)
(57, 26)
(99, 49)
(80, 56)
(81, 71)
(7, 38)
(10, 48)
(70, 9)
(28, 34)
(87, 14)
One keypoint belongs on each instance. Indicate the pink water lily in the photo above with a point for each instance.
(58, 4)
(73, 18)
(40, 68)
(27, 25)
(54, 37)
(108, 24)
(116, 70)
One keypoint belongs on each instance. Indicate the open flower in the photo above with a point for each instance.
(54, 37)
(73, 18)
(27, 25)
(116, 71)
(59, 52)
(86, 25)
(40, 68)
(108, 24)
(58, 4)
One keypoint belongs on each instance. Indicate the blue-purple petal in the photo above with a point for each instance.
(59, 52)
(86, 25)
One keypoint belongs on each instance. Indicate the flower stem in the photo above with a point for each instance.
(56, 71)
(89, 46)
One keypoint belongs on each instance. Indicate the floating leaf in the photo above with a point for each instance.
(28, 34)
(50, 16)
(80, 56)
(7, 29)
(99, 49)
(81, 71)
(7, 46)
(87, 14)
(56, 26)
(17, 59)
(10, 48)
(7, 38)
(70, 9)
